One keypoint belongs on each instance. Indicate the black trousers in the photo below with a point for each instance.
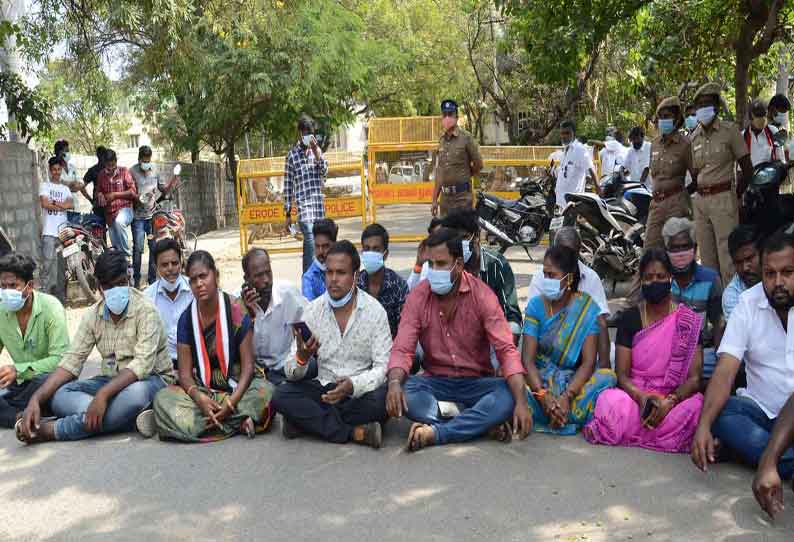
(16, 400)
(301, 404)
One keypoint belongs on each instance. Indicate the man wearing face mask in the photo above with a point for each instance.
(116, 193)
(305, 171)
(130, 336)
(760, 136)
(743, 244)
(758, 334)
(458, 161)
(150, 186)
(171, 292)
(690, 119)
(324, 234)
(671, 160)
(273, 305)
(350, 344)
(638, 157)
(576, 164)
(69, 176)
(32, 330)
(491, 267)
(717, 145)
(777, 111)
(695, 286)
(613, 153)
(382, 283)
(457, 319)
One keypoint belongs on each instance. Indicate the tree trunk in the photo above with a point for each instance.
(231, 162)
(741, 77)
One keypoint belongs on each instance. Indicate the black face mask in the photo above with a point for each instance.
(655, 292)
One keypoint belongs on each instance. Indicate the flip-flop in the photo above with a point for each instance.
(20, 435)
(502, 433)
(414, 442)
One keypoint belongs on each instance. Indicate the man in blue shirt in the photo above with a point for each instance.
(742, 244)
(696, 286)
(313, 283)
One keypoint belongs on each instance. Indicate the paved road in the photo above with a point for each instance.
(547, 488)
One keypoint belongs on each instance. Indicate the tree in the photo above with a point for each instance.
(86, 109)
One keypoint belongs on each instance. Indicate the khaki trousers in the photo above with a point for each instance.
(660, 212)
(450, 202)
(715, 218)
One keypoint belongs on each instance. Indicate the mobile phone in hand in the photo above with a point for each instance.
(647, 410)
(303, 329)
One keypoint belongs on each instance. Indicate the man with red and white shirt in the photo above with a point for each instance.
(760, 135)
(116, 192)
(456, 318)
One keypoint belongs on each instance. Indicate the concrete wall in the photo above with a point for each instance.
(20, 212)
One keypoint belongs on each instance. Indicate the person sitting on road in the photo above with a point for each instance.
(350, 346)
(313, 282)
(659, 361)
(422, 265)
(456, 318)
(696, 286)
(171, 292)
(130, 336)
(757, 334)
(590, 284)
(767, 485)
(33, 331)
(743, 245)
(215, 346)
(491, 267)
(273, 305)
(560, 346)
(382, 283)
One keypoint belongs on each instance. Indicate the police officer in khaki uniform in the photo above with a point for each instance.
(716, 147)
(671, 158)
(458, 161)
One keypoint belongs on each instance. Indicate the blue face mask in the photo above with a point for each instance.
(372, 261)
(466, 250)
(440, 280)
(321, 265)
(666, 126)
(67, 157)
(552, 289)
(12, 299)
(146, 166)
(339, 303)
(691, 122)
(117, 299)
(705, 114)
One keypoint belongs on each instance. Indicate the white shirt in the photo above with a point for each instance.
(68, 176)
(760, 147)
(576, 161)
(361, 353)
(589, 283)
(273, 338)
(637, 160)
(52, 219)
(612, 155)
(756, 335)
(170, 309)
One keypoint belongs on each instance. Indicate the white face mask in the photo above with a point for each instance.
(307, 140)
(170, 286)
(146, 166)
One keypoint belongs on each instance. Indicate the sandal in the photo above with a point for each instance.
(247, 428)
(18, 430)
(502, 433)
(415, 440)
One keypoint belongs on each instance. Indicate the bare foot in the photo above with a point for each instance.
(420, 436)
(46, 433)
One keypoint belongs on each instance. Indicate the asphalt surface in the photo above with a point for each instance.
(122, 487)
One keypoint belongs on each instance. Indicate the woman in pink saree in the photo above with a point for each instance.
(658, 363)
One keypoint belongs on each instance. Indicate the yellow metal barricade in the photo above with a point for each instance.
(261, 205)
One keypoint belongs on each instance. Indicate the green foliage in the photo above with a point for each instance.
(28, 110)
(85, 109)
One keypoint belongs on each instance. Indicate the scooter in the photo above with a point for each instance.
(631, 197)
(522, 222)
(82, 242)
(763, 204)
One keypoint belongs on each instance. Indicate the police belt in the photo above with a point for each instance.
(459, 188)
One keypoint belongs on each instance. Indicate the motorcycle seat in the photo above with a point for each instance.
(508, 203)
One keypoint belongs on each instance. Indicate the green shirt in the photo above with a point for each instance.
(46, 337)
(495, 271)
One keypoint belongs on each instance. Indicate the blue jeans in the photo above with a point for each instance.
(141, 229)
(308, 243)
(745, 429)
(486, 402)
(118, 231)
(71, 401)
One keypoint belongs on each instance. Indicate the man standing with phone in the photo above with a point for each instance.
(305, 171)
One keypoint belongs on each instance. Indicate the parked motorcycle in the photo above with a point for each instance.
(522, 222)
(763, 204)
(82, 242)
(611, 237)
(632, 197)
(168, 221)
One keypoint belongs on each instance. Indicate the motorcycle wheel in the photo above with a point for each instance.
(83, 269)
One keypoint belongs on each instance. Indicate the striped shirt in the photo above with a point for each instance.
(730, 297)
(304, 177)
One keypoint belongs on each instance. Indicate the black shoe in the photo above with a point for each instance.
(372, 435)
